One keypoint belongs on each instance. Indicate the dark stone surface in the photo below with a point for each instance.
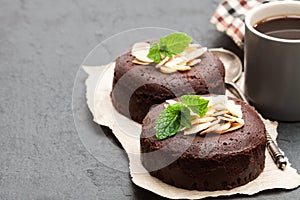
(42, 44)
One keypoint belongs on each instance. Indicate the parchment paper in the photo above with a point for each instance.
(99, 84)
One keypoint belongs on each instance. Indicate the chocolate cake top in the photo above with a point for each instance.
(212, 144)
(210, 71)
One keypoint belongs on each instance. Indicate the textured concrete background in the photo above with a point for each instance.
(42, 44)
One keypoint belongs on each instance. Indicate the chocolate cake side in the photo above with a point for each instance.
(136, 88)
(211, 162)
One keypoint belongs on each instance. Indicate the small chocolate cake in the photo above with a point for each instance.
(136, 88)
(210, 162)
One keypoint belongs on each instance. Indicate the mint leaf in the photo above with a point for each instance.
(171, 120)
(175, 43)
(196, 104)
(185, 118)
(170, 45)
(154, 53)
(178, 115)
(167, 123)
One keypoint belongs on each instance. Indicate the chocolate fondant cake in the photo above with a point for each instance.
(206, 162)
(136, 88)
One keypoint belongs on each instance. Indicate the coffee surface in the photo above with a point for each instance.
(284, 27)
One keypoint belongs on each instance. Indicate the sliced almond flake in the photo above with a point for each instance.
(136, 61)
(175, 61)
(234, 126)
(180, 67)
(193, 62)
(210, 129)
(162, 62)
(197, 128)
(140, 46)
(222, 112)
(163, 56)
(170, 101)
(184, 63)
(207, 98)
(142, 55)
(239, 120)
(212, 126)
(219, 106)
(167, 70)
(210, 111)
(223, 127)
(194, 115)
(201, 120)
(227, 119)
(234, 109)
(195, 54)
(187, 51)
(140, 50)
(220, 99)
(194, 45)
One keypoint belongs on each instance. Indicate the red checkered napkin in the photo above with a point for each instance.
(229, 17)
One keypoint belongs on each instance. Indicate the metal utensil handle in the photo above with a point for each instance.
(273, 149)
(237, 90)
(275, 153)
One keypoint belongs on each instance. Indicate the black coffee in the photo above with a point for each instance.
(285, 27)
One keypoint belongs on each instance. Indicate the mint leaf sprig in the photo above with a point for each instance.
(177, 116)
(196, 104)
(170, 45)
